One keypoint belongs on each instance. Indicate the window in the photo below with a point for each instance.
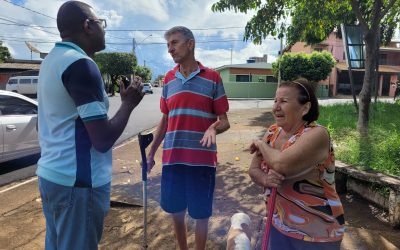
(25, 81)
(35, 80)
(12, 81)
(318, 49)
(10, 105)
(242, 78)
(383, 59)
(272, 79)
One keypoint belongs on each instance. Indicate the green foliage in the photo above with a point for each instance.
(314, 67)
(159, 77)
(144, 72)
(380, 150)
(4, 53)
(116, 63)
(311, 21)
(112, 65)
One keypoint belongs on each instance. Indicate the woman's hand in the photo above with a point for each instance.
(273, 179)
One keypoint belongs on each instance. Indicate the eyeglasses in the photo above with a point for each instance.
(103, 22)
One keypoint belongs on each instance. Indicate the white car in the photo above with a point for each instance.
(18, 120)
(147, 88)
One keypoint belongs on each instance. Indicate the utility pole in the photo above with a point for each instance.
(280, 56)
(231, 55)
(133, 45)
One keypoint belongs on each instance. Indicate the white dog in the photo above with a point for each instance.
(239, 234)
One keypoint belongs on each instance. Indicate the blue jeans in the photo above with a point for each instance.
(74, 216)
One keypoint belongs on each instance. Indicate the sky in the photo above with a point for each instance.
(219, 36)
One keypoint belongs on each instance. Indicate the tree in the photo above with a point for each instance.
(313, 21)
(4, 53)
(314, 67)
(114, 64)
(144, 72)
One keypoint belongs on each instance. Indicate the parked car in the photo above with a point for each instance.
(26, 85)
(18, 121)
(147, 88)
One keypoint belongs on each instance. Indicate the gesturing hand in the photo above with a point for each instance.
(133, 93)
(210, 136)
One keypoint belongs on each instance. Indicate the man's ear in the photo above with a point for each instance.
(86, 26)
(191, 44)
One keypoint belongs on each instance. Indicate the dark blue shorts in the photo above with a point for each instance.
(188, 187)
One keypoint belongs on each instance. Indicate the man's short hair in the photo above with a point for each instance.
(187, 33)
(71, 16)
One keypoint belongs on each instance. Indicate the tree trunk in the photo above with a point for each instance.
(371, 40)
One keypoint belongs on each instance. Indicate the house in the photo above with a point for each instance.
(16, 67)
(248, 80)
(253, 80)
(339, 82)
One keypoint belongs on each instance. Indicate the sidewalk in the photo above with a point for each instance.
(23, 228)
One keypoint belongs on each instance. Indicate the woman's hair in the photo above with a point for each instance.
(306, 94)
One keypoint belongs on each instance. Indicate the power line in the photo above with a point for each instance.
(21, 39)
(125, 30)
(163, 30)
(21, 6)
(37, 27)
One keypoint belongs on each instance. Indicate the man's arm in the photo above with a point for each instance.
(158, 138)
(218, 127)
(104, 133)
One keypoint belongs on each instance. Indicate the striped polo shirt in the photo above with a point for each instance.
(192, 105)
(70, 93)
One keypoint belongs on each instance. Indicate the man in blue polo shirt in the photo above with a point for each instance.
(75, 133)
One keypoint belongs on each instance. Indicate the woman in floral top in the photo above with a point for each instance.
(296, 157)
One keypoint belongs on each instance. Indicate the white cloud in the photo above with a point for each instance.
(147, 20)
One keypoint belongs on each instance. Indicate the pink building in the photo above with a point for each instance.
(339, 82)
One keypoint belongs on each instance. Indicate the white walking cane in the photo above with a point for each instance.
(144, 141)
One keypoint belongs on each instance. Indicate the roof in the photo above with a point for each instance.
(382, 68)
(257, 65)
(20, 66)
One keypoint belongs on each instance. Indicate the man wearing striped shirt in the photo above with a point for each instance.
(194, 107)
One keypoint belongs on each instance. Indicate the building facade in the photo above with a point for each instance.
(18, 68)
(338, 83)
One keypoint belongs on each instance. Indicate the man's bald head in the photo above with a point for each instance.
(71, 16)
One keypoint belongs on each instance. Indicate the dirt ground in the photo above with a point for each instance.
(367, 226)
(24, 227)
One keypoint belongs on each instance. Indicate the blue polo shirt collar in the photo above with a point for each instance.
(193, 74)
(71, 45)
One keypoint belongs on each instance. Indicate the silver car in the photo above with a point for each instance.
(18, 120)
(147, 88)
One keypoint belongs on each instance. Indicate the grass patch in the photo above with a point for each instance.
(380, 151)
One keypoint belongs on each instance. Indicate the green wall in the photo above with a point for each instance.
(261, 90)
(250, 90)
(256, 89)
